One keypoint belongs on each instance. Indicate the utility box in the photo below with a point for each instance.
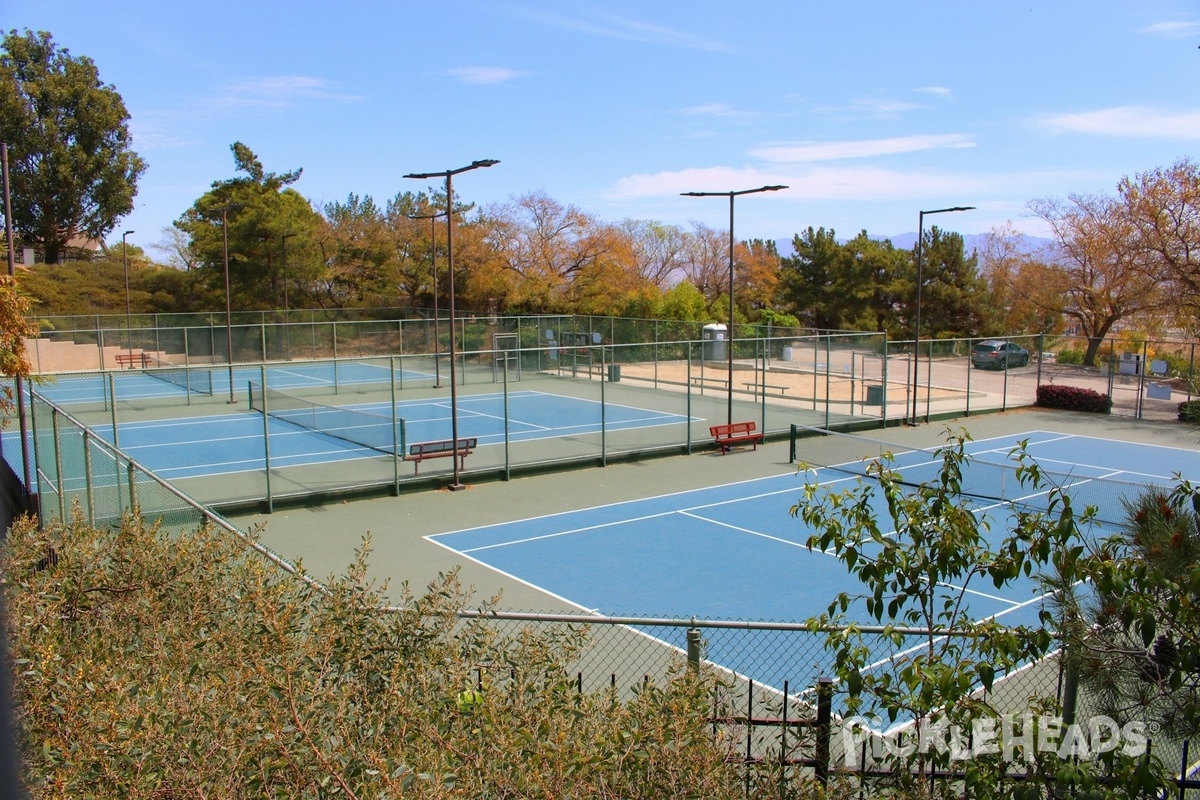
(713, 343)
(1131, 364)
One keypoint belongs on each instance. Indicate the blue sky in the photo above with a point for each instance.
(868, 111)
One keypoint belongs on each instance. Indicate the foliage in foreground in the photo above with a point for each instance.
(154, 665)
(920, 551)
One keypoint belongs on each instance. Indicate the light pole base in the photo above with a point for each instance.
(456, 487)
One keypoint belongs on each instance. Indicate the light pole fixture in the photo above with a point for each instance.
(283, 268)
(729, 342)
(920, 280)
(125, 259)
(448, 175)
(437, 368)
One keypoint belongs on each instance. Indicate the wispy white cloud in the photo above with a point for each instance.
(880, 107)
(797, 152)
(485, 75)
(939, 91)
(1127, 122)
(832, 183)
(282, 91)
(611, 26)
(1176, 29)
(714, 110)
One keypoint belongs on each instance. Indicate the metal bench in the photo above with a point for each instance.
(737, 433)
(444, 449)
(752, 386)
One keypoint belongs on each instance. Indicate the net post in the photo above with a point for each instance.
(792, 445)
(507, 462)
(397, 430)
(262, 372)
(603, 426)
(58, 464)
(87, 477)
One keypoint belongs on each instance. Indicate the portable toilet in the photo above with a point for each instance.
(713, 342)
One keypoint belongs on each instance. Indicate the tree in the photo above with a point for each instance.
(807, 277)
(1104, 270)
(256, 211)
(757, 275)
(1133, 636)
(72, 170)
(1163, 206)
(953, 295)
(15, 328)
(545, 245)
(1024, 293)
(918, 562)
(872, 282)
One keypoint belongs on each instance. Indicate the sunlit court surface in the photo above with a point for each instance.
(732, 551)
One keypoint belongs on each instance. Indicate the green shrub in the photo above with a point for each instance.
(1069, 355)
(1073, 398)
(1189, 411)
(148, 665)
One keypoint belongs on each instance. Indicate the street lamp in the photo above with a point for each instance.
(128, 332)
(729, 343)
(228, 302)
(448, 175)
(437, 369)
(920, 280)
(283, 268)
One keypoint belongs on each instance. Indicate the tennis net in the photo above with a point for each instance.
(192, 379)
(376, 431)
(990, 481)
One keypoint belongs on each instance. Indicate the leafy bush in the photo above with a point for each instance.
(1069, 355)
(1073, 398)
(148, 665)
(1189, 411)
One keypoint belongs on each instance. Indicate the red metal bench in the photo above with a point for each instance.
(130, 360)
(422, 450)
(736, 433)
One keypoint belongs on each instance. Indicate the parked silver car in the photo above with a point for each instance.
(998, 354)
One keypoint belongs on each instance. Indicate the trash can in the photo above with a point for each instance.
(874, 395)
(713, 344)
(614, 373)
(789, 353)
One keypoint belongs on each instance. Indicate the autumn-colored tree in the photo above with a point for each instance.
(1163, 206)
(1103, 267)
(15, 328)
(756, 275)
(545, 245)
(1024, 293)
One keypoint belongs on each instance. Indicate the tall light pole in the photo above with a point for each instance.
(437, 369)
(125, 258)
(920, 280)
(729, 342)
(448, 175)
(283, 268)
(228, 301)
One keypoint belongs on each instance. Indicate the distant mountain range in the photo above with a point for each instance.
(907, 241)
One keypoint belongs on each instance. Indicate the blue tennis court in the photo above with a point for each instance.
(230, 443)
(168, 383)
(734, 552)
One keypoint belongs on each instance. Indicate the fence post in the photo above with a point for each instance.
(824, 729)
(693, 647)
